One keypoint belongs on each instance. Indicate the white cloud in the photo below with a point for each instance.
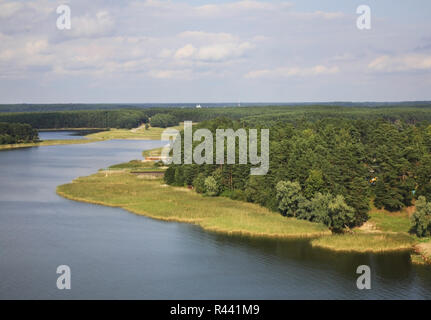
(170, 74)
(240, 7)
(185, 52)
(223, 51)
(208, 36)
(292, 72)
(36, 46)
(211, 47)
(409, 62)
(165, 53)
(88, 26)
(325, 15)
(8, 9)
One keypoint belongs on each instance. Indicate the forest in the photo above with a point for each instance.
(11, 133)
(329, 170)
(128, 116)
(79, 119)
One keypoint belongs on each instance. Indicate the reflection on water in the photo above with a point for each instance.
(66, 134)
(59, 135)
(116, 255)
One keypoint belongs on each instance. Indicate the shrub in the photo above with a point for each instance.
(421, 218)
(199, 183)
(254, 191)
(212, 187)
(238, 195)
(170, 175)
(340, 215)
(288, 196)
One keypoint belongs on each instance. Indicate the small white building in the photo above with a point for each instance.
(198, 106)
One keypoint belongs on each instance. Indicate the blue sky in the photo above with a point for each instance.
(214, 51)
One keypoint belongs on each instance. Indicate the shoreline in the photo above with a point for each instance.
(310, 236)
(105, 135)
(196, 222)
(374, 242)
(144, 197)
(424, 251)
(322, 244)
(46, 143)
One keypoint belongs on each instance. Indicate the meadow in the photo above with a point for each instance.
(154, 199)
(117, 187)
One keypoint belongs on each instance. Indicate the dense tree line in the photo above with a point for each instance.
(163, 120)
(128, 116)
(79, 119)
(11, 133)
(326, 170)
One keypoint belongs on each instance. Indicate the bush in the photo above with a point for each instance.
(421, 218)
(179, 176)
(212, 187)
(254, 191)
(340, 215)
(170, 175)
(288, 196)
(199, 183)
(238, 195)
(323, 208)
(316, 209)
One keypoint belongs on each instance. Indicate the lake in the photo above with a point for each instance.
(114, 254)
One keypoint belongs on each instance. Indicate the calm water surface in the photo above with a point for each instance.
(60, 135)
(114, 254)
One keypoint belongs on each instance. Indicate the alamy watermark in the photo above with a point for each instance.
(364, 20)
(364, 280)
(204, 154)
(64, 21)
(64, 280)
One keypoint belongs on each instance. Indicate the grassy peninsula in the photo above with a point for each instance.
(141, 133)
(120, 188)
(384, 231)
(366, 242)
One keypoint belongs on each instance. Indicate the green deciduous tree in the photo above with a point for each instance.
(340, 215)
(421, 218)
(199, 183)
(314, 183)
(288, 196)
(212, 187)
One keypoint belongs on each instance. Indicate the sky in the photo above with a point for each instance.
(142, 51)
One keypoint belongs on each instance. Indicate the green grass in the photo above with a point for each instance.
(390, 233)
(114, 134)
(152, 153)
(366, 242)
(136, 165)
(134, 134)
(155, 200)
(45, 143)
(390, 222)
